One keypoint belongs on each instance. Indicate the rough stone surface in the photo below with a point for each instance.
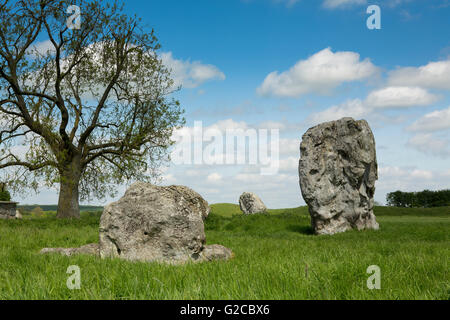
(7, 210)
(90, 249)
(162, 224)
(250, 203)
(216, 252)
(338, 170)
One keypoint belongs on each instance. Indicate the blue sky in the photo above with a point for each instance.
(397, 78)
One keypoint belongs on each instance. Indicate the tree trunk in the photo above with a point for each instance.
(68, 203)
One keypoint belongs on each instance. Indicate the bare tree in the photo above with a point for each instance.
(84, 108)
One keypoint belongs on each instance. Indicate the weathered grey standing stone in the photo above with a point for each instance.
(216, 252)
(153, 224)
(338, 170)
(250, 203)
(163, 224)
(7, 209)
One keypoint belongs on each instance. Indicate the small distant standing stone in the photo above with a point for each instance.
(250, 203)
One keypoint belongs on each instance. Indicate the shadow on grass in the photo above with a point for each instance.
(307, 230)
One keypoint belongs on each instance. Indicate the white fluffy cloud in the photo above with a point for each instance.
(338, 4)
(190, 74)
(214, 177)
(385, 98)
(227, 143)
(333, 4)
(290, 147)
(288, 3)
(422, 174)
(392, 178)
(320, 73)
(289, 164)
(432, 134)
(408, 173)
(399, 97)
(433, 75)
(434, 121)
(184, 72)
(41, 48)
(430, 144)
(352, 108)
(223, 182)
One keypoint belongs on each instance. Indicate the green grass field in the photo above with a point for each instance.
(276, 257)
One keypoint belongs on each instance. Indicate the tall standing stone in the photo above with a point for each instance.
(338, 170)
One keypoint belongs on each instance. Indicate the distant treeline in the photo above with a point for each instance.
(54, 207)
(423, 199)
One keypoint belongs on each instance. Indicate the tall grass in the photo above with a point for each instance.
(276, 257)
